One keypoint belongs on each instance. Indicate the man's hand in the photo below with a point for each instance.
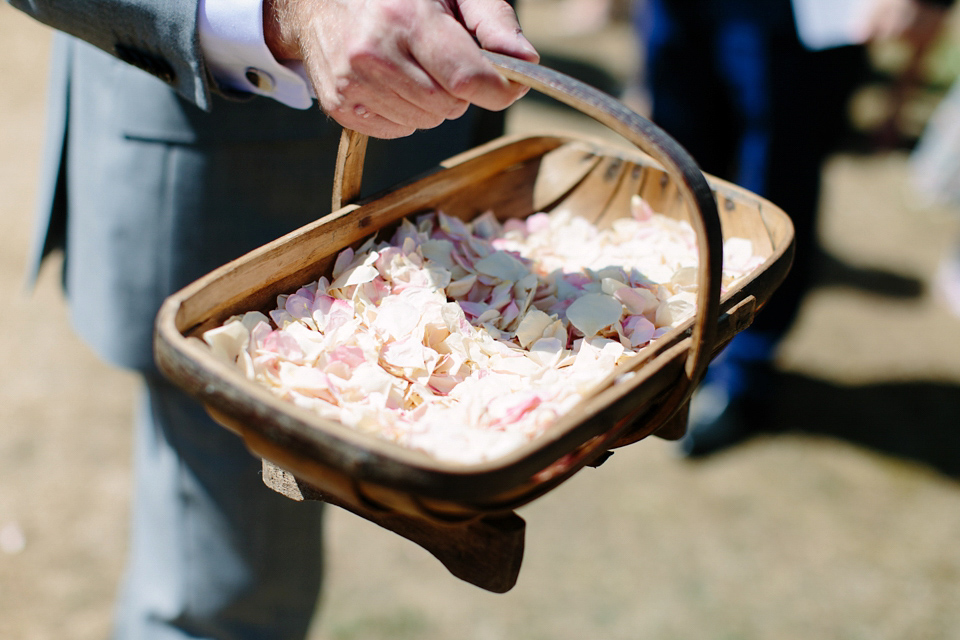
(386, 68)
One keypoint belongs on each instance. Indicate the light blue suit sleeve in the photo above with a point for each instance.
(158, 36)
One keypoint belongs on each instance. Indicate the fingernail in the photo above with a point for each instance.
(526, 46)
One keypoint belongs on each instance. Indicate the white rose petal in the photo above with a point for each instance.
(227, 341)
(676, 309)
(503, 266)
(532, 327)
(444, 340)
(594, 312)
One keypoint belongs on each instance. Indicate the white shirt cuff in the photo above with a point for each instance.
(231, 39)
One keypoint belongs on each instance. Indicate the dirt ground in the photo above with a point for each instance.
(843, 528)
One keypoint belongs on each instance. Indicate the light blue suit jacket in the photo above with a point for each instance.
(153, 179)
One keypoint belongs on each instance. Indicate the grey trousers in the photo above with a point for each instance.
(214, 552)
(152, 193)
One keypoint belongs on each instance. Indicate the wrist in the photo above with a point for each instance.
(277, 32)
(233, 43)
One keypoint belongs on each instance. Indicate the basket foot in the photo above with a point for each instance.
(486, 552)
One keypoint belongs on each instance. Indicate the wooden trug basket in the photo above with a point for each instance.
(464, 514)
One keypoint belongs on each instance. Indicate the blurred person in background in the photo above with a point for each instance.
(935, 176)
(180, 136)
(757, 91)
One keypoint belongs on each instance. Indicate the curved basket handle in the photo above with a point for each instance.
(650, 139)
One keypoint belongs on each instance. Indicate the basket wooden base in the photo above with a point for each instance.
(486, 552)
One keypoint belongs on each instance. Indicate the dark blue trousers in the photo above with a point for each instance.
(732, 83)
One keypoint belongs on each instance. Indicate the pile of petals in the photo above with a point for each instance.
(466, 340)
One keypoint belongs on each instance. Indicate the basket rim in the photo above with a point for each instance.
(367, 458)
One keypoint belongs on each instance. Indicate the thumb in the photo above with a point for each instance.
(495, 26)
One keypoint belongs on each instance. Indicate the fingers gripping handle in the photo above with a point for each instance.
(650, 139)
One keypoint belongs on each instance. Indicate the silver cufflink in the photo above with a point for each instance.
(260, 79)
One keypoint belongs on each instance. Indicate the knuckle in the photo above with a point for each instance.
(464, 83)
(395, 12)
(363, 55)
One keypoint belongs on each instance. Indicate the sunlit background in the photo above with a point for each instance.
(846, 526)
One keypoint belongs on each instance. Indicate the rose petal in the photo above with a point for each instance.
(593, 312)
(532, 326)
(503, 266)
